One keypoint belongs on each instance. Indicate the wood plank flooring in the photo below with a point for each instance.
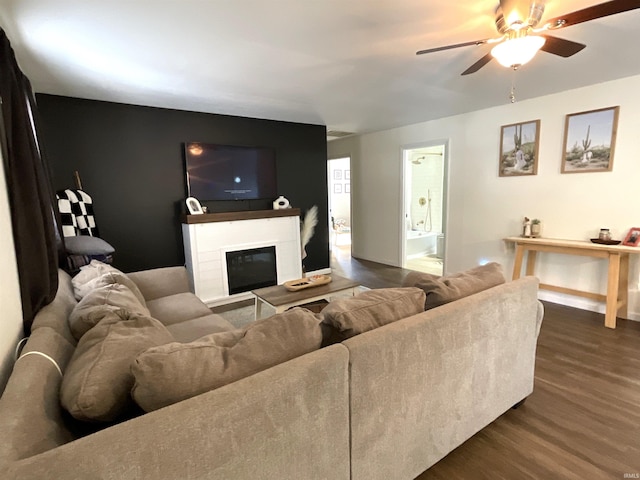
(582, 420)
(427, 264)
(369, 274)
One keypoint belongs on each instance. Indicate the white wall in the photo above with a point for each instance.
(10, 306)
(484, 208)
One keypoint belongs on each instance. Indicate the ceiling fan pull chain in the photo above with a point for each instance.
(512, 93)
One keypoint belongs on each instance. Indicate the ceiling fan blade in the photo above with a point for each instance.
(561, 47)
(591, 13)
(479, 64)
(449, 47)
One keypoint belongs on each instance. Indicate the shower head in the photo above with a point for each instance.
(417, 160)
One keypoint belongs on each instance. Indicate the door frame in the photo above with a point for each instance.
(404, 155)
(330, 192)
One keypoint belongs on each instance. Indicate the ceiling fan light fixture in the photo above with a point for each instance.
(517, 51)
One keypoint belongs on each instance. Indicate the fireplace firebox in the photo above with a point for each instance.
(251, 269)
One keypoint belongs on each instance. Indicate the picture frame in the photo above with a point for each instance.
(193, 205)
(337, 188)
(347, 174)
(633, 237)
(347, 188)
(337, 174)
(589, 140)
(519, 146)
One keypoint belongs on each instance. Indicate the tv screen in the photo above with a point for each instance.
(227, 172)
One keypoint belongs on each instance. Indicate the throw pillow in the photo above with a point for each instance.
(345, 317)
(441, 290)
(94, 270)
(91, 309)
(87, 245)
(177, 371)
(108, 278)
(97, 382)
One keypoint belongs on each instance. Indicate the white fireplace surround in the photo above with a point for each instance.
(207, 242)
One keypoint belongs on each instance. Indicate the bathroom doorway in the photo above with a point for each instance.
(339, 186)
(424, 207)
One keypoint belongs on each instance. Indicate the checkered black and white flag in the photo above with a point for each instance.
(76, 213)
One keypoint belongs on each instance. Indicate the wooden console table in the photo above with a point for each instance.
(616, 297)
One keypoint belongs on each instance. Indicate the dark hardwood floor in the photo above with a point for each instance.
(369, 274)
(582, 420)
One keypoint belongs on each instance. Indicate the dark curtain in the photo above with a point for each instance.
(28, 187)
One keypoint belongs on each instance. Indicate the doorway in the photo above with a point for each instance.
(339, 187)
(424, 207)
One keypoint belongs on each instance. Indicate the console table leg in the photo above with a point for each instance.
(612, 290)
(517, 263)
(623, 287)
(258, 309)
(531, 262)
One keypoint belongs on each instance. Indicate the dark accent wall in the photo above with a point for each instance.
(131, 162)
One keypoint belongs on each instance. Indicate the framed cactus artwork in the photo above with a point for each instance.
(589, 140)
(519, 143)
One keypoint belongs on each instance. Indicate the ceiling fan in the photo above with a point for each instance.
(520, 40)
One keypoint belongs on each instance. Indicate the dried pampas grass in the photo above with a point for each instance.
(308, 227)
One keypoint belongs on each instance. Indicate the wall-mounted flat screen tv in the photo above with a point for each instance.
(228, 172)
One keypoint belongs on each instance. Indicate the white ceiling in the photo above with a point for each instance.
(347, 64)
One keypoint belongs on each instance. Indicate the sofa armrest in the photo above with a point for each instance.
(287, 422)
(161, 282)
(423, 385)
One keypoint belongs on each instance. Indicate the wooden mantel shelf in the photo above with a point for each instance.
(616, 298)
(233, 216)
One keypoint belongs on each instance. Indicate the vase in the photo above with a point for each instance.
(535, 230)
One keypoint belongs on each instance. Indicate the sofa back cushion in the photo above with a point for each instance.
(92, 308)
(97, 383)
(345, 317)
(170, 373)
(161, 282)
(441, 290)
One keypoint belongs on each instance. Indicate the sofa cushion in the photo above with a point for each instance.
(191, 330)
(91, 309)
(97, 382)
(177, 308)
(345, 317)
(170, 373)
(108, 278)
(441, 290)
(161, 282)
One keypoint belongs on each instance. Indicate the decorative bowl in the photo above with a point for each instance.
(606, 242)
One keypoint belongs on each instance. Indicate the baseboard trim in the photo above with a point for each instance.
(581, 303)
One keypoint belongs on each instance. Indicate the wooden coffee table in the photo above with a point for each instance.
(281, 299)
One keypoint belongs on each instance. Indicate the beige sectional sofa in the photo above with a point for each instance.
(387, 403)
